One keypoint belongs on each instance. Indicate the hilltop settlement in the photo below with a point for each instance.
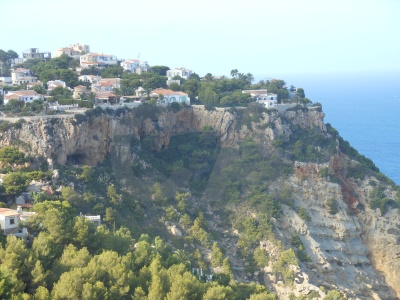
(36, 82)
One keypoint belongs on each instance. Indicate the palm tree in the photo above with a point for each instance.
(183, 257)
(234, 73)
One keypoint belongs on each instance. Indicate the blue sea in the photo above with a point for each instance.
(364, 108)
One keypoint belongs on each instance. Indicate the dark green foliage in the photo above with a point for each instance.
(12, 156)
(378, 199)
(353, 153)
(308, 145)
(333, 206)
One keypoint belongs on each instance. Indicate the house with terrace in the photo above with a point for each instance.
(268, 100)
(166, 97)
(52, 84)
(181, 72)
(89, 78)
(25, 95)
(135, 66)
(74, 51)
(106, 85)
(22, 76)
(97, 60)
(11, 221)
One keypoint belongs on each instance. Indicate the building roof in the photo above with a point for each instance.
(17, 94)
(20, 70)
(104, 95)
(34, 83)
(166, 92)
(8, 212)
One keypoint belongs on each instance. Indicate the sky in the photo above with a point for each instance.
(266, 38)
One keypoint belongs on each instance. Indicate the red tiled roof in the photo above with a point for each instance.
(166, 92)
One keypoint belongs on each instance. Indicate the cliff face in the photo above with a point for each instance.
(59, 138)
(362, 246)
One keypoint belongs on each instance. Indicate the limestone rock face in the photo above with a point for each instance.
(362, 247)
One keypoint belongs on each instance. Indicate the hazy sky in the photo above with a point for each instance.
(263, 37)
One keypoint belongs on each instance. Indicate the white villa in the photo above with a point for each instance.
(182, 72)
(10, 220)
(97, 60)
(55, 83)
(168, 96)
(21, 76)
(135, 66)
(74, 51)
(89, 78)
(24, 95)
(266, 99)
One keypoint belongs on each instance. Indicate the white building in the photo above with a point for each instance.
(52, 84)
(25, 95)
(97, 60)
(11, 218)
(21, 76)
(135, 66)
(167, 97)
(89, 78)
(74, 51)
(181, 72)
(262, 97)
(6, 79)
(95, 220)
(35, 53)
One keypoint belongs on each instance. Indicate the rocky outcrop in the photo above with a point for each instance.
(89, 140)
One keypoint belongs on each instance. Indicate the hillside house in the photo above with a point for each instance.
(268, 100)
(135, 66)
(106, 85)
(167, 97)
(78, 91)
(181, 72)
(22, 76)
(97, 60)
(74, 51)
(89, 78)
(35, 53)
(52, 84)
(30, 85)
(10, 220)
(25, 95)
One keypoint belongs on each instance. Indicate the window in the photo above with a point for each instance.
(12, 221)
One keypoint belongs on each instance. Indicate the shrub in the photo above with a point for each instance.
(333, 206)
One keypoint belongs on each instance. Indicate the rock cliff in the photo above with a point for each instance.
(356, 251)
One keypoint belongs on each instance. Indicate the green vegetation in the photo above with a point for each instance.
(333, 206)
(378, 199)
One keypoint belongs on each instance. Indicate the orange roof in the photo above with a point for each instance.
(166, 92)
(22, 93)
(8, 212)
(104, 94)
